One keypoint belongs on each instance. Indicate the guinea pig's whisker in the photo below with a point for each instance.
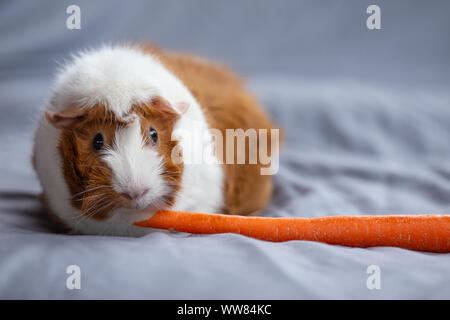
(81, 219)
(93, 210)
(98, 210)
(79, 216)
(90, 197)
(91, 189)
(85, 191)
(94, 206)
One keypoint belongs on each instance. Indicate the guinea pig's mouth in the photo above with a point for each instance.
(144, 203)
(100, 204)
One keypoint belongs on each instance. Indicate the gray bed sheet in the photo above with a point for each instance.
(367, 122)
(350, 149)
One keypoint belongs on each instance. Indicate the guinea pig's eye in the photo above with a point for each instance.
(153, 135)
(97, 143)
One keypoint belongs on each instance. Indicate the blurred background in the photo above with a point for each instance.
(366, 116)
(302, 38)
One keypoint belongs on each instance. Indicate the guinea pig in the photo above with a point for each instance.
(114, 143)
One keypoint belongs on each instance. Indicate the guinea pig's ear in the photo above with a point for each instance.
(181, 107)
(176, 110)
(67, 118)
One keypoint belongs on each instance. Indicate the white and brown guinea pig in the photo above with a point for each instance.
(103, 146)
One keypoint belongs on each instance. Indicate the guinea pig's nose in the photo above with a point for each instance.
(135, 194)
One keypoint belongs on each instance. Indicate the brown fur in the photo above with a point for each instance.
(83, 168)
(227, 105)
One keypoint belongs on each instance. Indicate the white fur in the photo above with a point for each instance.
(119, 77)
(136, 167)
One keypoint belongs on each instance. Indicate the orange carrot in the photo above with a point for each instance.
(416, 232)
